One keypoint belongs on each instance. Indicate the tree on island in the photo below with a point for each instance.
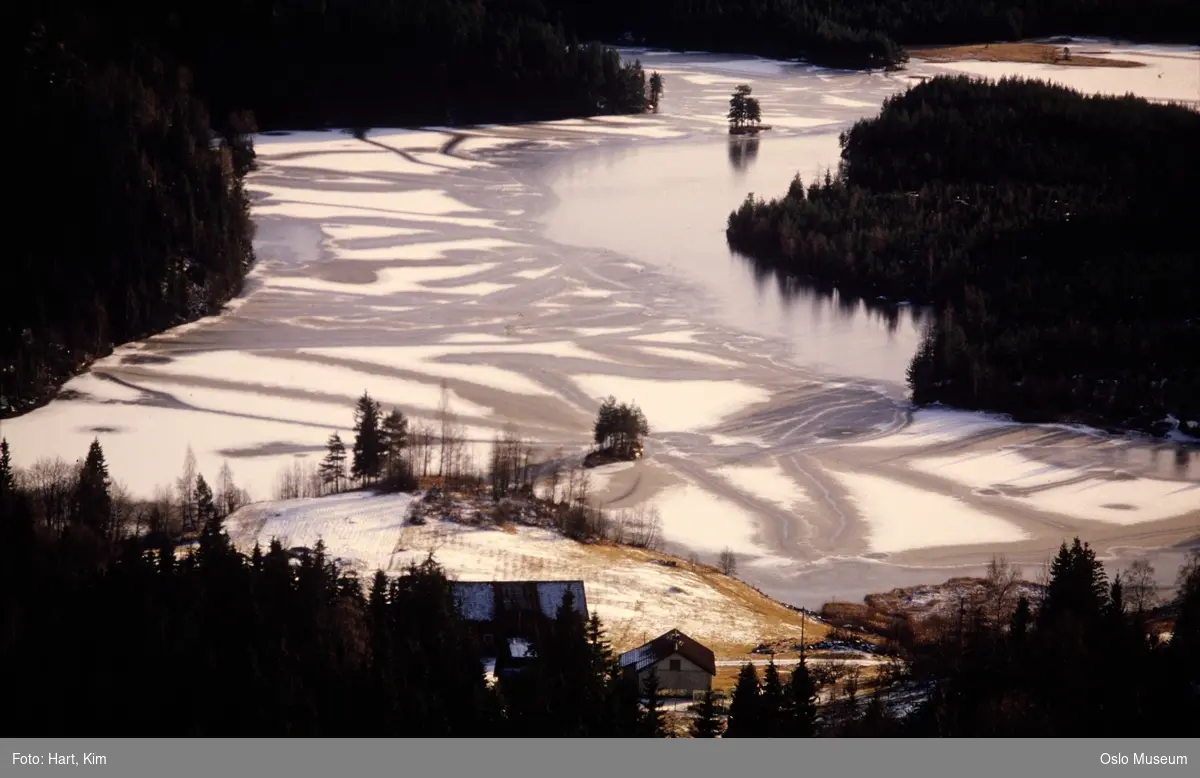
(619, 429)
(744, 110)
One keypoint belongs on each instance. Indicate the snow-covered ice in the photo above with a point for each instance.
(676, 406)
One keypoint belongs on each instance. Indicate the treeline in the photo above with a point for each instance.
(870, 33)
(132, 220)
(363, 63)
(1050, 231)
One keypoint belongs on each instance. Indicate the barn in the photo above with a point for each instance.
(683, 666)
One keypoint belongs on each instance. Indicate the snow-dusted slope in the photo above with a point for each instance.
(635, 593)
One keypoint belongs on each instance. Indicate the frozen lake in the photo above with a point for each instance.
(535, 269)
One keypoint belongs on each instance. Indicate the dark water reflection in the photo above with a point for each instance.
(667, 204)
(742, 152)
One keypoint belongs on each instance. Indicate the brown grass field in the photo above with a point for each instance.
(1044, 53)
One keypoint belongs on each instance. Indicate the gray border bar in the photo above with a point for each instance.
(321, 758)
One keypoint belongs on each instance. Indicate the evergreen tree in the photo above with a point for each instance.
(745, 718)
(652, 723)
(7, 477)
(206, 507)
(332, 469)
(394, 435)
(605, 425)
(706, 722)
(368, 440)
(771, 702)
(92, 503)
(799, 717)
(1078, 587)
(656, 90)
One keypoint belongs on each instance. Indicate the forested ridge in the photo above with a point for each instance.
(129, 218)
(1052, 232)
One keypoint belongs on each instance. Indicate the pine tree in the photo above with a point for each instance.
(653, 723)
(368, 442)
(771, 702)
(706, 723)
(744, 707)
(206, 507)
(92, 503)
(800, 704)
(333, 467)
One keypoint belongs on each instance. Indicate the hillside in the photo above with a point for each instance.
(639, 594)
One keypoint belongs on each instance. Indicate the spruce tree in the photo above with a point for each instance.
(771, 702)
(653, 723)
(368, 440)
(92, 503)
(332, 469)
(744, 708)
(800, 704)
(7, 477)
(206, 506)
(706, 723)
(394, 435)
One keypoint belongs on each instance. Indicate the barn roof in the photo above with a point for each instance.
(480, 600)
(666, 645)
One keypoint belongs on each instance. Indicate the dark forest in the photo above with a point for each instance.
(1051, 231)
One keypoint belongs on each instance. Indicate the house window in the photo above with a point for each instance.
(675, 665)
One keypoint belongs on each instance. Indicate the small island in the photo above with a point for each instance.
(745, 114)
(1052, 233)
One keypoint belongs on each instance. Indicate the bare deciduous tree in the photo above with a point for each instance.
(183, 488)
(727, 562)
(1001, 586)
(1140, 590)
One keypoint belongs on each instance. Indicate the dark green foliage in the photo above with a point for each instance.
(745, 707)
(91, 505)
(619, 427)
(332, 469)
(706, 722)
(368, 441)
(652, 723)
(1082, 666)
(771, 702)
(7, 477)
(1050, 232)
(264, 645)
(202, 497)
(799, 717)
(150, 228)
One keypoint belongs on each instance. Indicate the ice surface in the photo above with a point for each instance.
(903, 518)
(676, 406)
(689, 356)
(767, 481)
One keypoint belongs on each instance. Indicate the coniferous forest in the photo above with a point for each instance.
(1052, 232)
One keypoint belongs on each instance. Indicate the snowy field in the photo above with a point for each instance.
(532, 282)
(635, 597)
